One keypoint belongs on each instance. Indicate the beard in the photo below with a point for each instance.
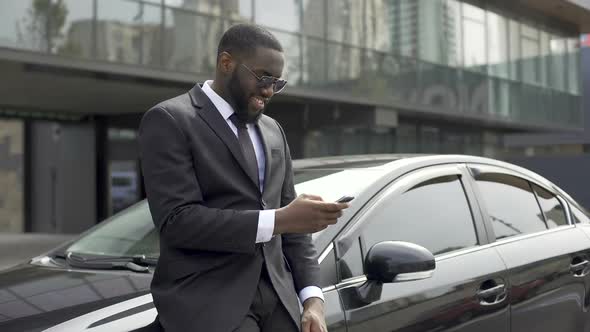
(241, 107)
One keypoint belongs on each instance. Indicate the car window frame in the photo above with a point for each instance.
(474, 168)
(354, 229)
(561, 201)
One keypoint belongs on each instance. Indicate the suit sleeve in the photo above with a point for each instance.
(175, 198)
(297, 248)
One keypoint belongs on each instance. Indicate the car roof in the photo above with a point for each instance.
(391, 161)
(350, 161)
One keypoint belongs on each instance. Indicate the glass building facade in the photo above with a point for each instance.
(441, 56)
(365, 76)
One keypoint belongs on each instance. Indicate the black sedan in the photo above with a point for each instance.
(430, 243)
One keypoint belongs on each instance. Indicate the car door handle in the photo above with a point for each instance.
(579, 268)
(496, 290)
(492, 295)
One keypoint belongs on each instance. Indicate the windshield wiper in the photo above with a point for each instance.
(136, 263)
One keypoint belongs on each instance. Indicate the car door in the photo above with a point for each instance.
(546, 256)
(333, 313)
(434, 208)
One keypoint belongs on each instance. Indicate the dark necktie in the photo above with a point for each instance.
(247, 146)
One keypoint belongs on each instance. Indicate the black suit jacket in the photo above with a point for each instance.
(206, 206)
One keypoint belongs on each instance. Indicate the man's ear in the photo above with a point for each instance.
(225, 63)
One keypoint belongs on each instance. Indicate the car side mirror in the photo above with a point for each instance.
(393, 261)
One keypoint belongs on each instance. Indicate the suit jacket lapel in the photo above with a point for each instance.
(263, 130)
(217, 123)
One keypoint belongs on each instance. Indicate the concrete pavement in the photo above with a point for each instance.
(17, 248)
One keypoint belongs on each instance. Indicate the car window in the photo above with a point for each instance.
(128, 233)
(552, 209)
(351, 263)
(328, 273)
(511, 204)
(579, 216)
(434, 214)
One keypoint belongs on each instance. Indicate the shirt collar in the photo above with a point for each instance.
(222, 106)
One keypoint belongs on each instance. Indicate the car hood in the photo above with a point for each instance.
(36, 298)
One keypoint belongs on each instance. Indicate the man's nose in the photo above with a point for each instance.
(267, 91)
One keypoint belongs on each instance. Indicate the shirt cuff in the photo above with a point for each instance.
(266, 225)
(310, 291)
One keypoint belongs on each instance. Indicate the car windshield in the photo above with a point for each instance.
(131, 232)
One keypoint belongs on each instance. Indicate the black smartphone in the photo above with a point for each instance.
(344, 199)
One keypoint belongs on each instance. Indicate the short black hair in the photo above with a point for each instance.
(243, 39)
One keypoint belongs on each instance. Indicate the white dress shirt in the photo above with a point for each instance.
(266, 218)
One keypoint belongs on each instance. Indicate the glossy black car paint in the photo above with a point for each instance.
(538, 290)
(38, 297)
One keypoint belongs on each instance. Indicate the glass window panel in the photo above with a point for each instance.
(558, 63)
(437, 83)
(514, 47)
(11, 176)
(552, 208)
(453, 142)
(237, 10)
(351, 263)
(529, 31)
(314, 18)
(344, 66)
(492, 143)
(293, 69)
(352, 141)
(72, 28)
(499, 98)
(454, 36)
(129, 233)
(498, 46)
(432, 36)
(573, 63)
(404, 78)
(579, 216)
(128, 32)
(530, 61)
(314, 62)
(407, 138)
(429, 139)
(23, 24)
(328, 272)
(404, 28)
(325, 142)
(530, 54)
(500, 192)
(345, 21)
(381, 140)
(474, 45)
(279, 14)
(434, 214)
(545, 58)
(379, 24)
(515, 100)
(191, 41)
(474, 13)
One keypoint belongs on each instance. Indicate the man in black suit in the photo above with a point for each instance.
(235, 249)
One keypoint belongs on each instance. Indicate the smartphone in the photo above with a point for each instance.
(344, 199)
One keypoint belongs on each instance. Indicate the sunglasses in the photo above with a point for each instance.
(266, 81)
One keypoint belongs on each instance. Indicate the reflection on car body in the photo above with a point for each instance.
(430, 243)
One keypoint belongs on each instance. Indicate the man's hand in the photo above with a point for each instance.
(313, 319)
(307, 214)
